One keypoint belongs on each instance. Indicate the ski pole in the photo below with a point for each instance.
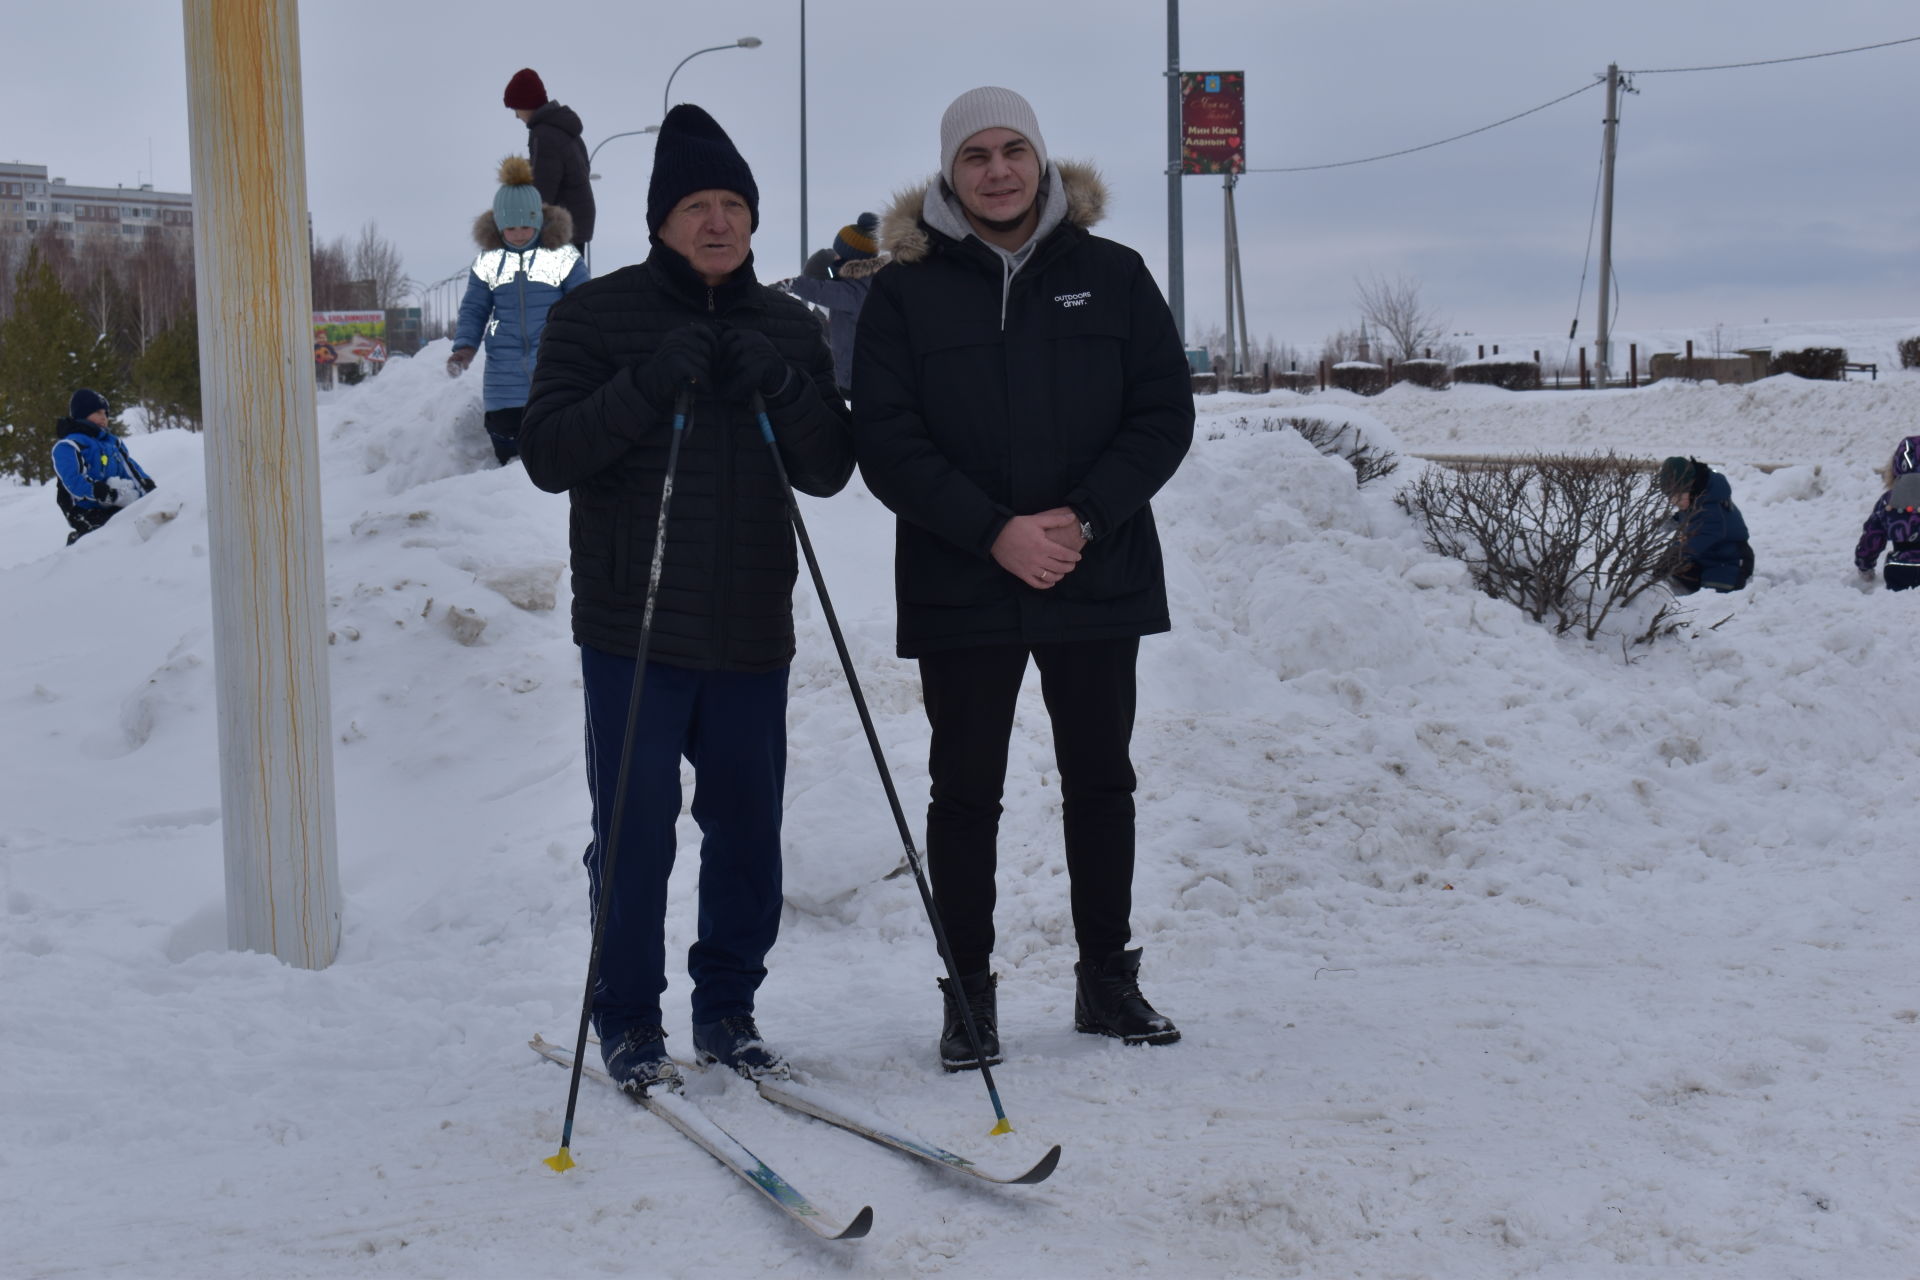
(1002, 1124)
(561, 1160)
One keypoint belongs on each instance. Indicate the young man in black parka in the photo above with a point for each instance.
(1023, 394)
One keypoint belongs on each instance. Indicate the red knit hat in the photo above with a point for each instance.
(524, 91)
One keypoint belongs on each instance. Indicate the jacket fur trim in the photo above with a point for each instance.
(905, 238)
(556, 229)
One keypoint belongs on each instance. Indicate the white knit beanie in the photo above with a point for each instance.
(988, 107)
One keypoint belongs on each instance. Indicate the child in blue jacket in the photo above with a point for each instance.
(97, 476)
(1895, 522)
(1714, 551)
(525, 266)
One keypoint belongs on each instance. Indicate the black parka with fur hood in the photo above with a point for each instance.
(983, 397)
(726, 586)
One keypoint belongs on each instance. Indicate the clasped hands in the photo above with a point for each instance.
(734, 363)
(1042, 548)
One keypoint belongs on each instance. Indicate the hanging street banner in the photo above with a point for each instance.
(1213, 120)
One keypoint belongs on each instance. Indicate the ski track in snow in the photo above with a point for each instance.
(1496, 953)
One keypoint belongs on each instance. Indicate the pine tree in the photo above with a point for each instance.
(167, 374)
(47, 350)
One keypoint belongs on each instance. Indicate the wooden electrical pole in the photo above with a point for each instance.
(1603, 339)
(263, 484)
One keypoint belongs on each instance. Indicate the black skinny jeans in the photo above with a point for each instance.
(1089, 692)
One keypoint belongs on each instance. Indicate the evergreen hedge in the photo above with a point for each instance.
(1824, 364)
(1514, 375)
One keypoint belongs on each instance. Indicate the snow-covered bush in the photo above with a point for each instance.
(1822, 359)
(1361, 377)
(1336, 439)
(1514, 375)
(1569, 540)
(1423, 373)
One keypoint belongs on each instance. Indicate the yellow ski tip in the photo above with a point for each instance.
(1005, 1126)
(559, 1161)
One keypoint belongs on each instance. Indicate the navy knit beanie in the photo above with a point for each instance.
(693, 153)
(85, 404)
(856, 239)
(1677, 475)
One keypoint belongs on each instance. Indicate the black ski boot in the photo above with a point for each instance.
(636, 1058)
(1107, 1002)
(956, 1051)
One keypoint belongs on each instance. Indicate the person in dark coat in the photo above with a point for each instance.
(1023, 393)
(838, 279)
(525, 265)
(617, 356)
(96, 475)
(557, 150)
(1894, 524)
(1712, 534)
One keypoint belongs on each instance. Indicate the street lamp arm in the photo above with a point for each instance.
(666, 94)
(652, 128)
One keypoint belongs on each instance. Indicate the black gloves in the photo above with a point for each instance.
(104, 495)
(685, 358)
(751, 364)
(819, 265)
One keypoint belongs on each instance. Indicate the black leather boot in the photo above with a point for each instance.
(1107, 1002)
(956, 1051)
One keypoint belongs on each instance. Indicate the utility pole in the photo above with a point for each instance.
(803, 134)
(1603, 339)
(264, 548)
(1226, 242)
(1239, 275)
(1176, 233)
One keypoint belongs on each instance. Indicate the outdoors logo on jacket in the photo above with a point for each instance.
(1074, 299)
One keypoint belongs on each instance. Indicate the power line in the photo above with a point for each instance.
(1428, 146)
(1772, 62)
(1650, 71)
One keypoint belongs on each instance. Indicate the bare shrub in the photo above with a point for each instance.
(1567, 539)
(1910, 352)
(1335, 439)
(1823, 364)
(1514, 375)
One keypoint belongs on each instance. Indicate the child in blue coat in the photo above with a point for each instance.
(1714, 551)
(97, 476)
(525, 266)
(1895, 522)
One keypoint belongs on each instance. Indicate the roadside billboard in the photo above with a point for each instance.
(1213, 119)
(354, 337)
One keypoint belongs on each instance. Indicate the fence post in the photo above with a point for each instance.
(1323, 373)
(1583, 369)
(1633, 364)
(1483, 351)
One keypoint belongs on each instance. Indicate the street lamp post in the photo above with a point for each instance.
(591, 175)
(666, 94)
(803, 134)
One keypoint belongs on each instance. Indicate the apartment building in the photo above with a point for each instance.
(32, 203)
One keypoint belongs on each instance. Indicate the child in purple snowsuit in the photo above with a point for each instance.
(1895, 521)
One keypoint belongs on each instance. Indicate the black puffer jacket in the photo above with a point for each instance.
(559, 157)
(726, 589)
(979, 401)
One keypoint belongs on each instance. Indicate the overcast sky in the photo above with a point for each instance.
(1786, 192)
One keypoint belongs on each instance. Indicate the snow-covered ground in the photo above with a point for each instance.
(1497, 954)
